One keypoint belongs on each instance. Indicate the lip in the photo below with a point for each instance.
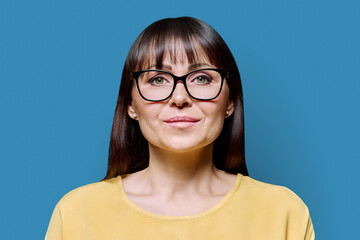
(181, 121)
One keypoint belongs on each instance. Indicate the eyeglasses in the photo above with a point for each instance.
(201, 84)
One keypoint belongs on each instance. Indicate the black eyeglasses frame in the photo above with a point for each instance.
(223, 74)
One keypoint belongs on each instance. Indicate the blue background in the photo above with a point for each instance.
(60, 68)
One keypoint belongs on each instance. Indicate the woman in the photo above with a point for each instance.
(176, 159)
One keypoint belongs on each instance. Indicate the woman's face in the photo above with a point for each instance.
(181, 123)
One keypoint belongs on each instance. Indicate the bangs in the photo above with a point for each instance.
(177, 51)
(178, 48)
(176, 39)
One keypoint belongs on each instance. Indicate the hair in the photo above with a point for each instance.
(128, 151)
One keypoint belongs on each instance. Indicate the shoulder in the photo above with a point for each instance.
(274, 197)
(275, 208)
(90, 194)
(83, 208)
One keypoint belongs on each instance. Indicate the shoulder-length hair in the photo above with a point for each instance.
(128, 151)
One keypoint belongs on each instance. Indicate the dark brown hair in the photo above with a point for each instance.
(128, 151)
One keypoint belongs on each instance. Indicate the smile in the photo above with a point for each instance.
(181, 121)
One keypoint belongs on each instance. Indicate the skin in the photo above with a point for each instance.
(181, 178)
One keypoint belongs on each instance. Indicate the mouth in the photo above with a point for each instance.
(181, 121)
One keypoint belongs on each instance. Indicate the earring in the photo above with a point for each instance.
(135, 115)
(226, 113)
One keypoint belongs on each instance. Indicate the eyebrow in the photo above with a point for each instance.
(198, 65)
(163, 66)
(191, 67)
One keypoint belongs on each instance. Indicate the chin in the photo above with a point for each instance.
(182, 145)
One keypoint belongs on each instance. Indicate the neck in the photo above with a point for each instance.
(181, 165)
(178, 173)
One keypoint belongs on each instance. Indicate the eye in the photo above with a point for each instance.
(202, 79)
(157, 80)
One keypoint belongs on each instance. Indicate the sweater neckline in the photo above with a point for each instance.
(213, 209)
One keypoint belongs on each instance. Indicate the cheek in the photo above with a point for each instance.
(215, 114)
(215, 124)
(148, 121)
(147, 113)
(148, 117)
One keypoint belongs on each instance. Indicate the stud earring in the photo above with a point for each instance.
(227, 113)
(135, 115)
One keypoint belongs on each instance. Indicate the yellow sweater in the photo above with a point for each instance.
(251, 210)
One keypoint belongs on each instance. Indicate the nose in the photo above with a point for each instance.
(180, 98)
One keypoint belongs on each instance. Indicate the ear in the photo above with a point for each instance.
(132, 112)
(229, 109)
